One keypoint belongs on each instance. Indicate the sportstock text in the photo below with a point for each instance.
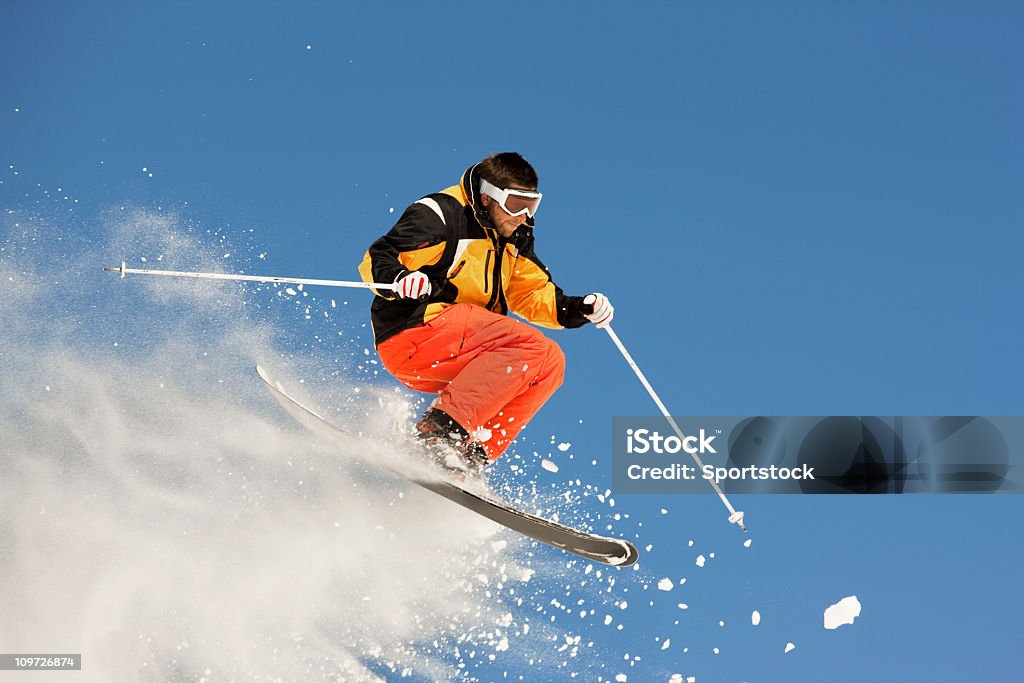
(646, 441)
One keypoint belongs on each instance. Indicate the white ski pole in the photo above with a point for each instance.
(734, 516)
(251, 278)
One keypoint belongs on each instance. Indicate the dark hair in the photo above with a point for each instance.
(506, 169)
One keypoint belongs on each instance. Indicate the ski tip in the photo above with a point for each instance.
(630, 558)
(265, 376)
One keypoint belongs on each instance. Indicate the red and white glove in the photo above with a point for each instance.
(601, 310)
(414, 285)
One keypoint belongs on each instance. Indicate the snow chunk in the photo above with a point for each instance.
(790, 647)
(564, 447)
(700, 560)
(548, 465)
(621, 678)
(755, 618)
(842, 613)
(666, 644)
(665, 584)
(746, 543)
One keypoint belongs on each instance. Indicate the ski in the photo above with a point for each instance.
(611, 551)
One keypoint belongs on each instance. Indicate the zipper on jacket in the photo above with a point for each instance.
(487, 271)
(498, 249)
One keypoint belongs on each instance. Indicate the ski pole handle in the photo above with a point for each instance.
(253, 278)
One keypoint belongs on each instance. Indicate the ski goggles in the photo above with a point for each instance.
(513, 202)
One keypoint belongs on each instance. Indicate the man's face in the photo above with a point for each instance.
(502, 222)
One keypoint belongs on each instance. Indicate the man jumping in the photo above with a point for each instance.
(461, 260)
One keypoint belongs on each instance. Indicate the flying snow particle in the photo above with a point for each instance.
(790, 647)
(548, 465)
(842, 613)
(564, 447)
(665, 584)
(700, 560)
(666, 644)
(755, 618)
(621, 678)
(746, 543)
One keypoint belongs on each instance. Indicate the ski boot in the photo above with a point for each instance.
(449, 445)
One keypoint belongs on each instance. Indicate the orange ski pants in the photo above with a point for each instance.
(488, 370)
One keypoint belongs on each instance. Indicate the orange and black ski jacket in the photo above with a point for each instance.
(448, 237)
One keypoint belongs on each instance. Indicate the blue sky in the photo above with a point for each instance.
(797, 209)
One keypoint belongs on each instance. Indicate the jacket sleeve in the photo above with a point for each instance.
(416, 240)
(531, 294)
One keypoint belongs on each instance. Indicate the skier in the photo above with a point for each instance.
(461, 260)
